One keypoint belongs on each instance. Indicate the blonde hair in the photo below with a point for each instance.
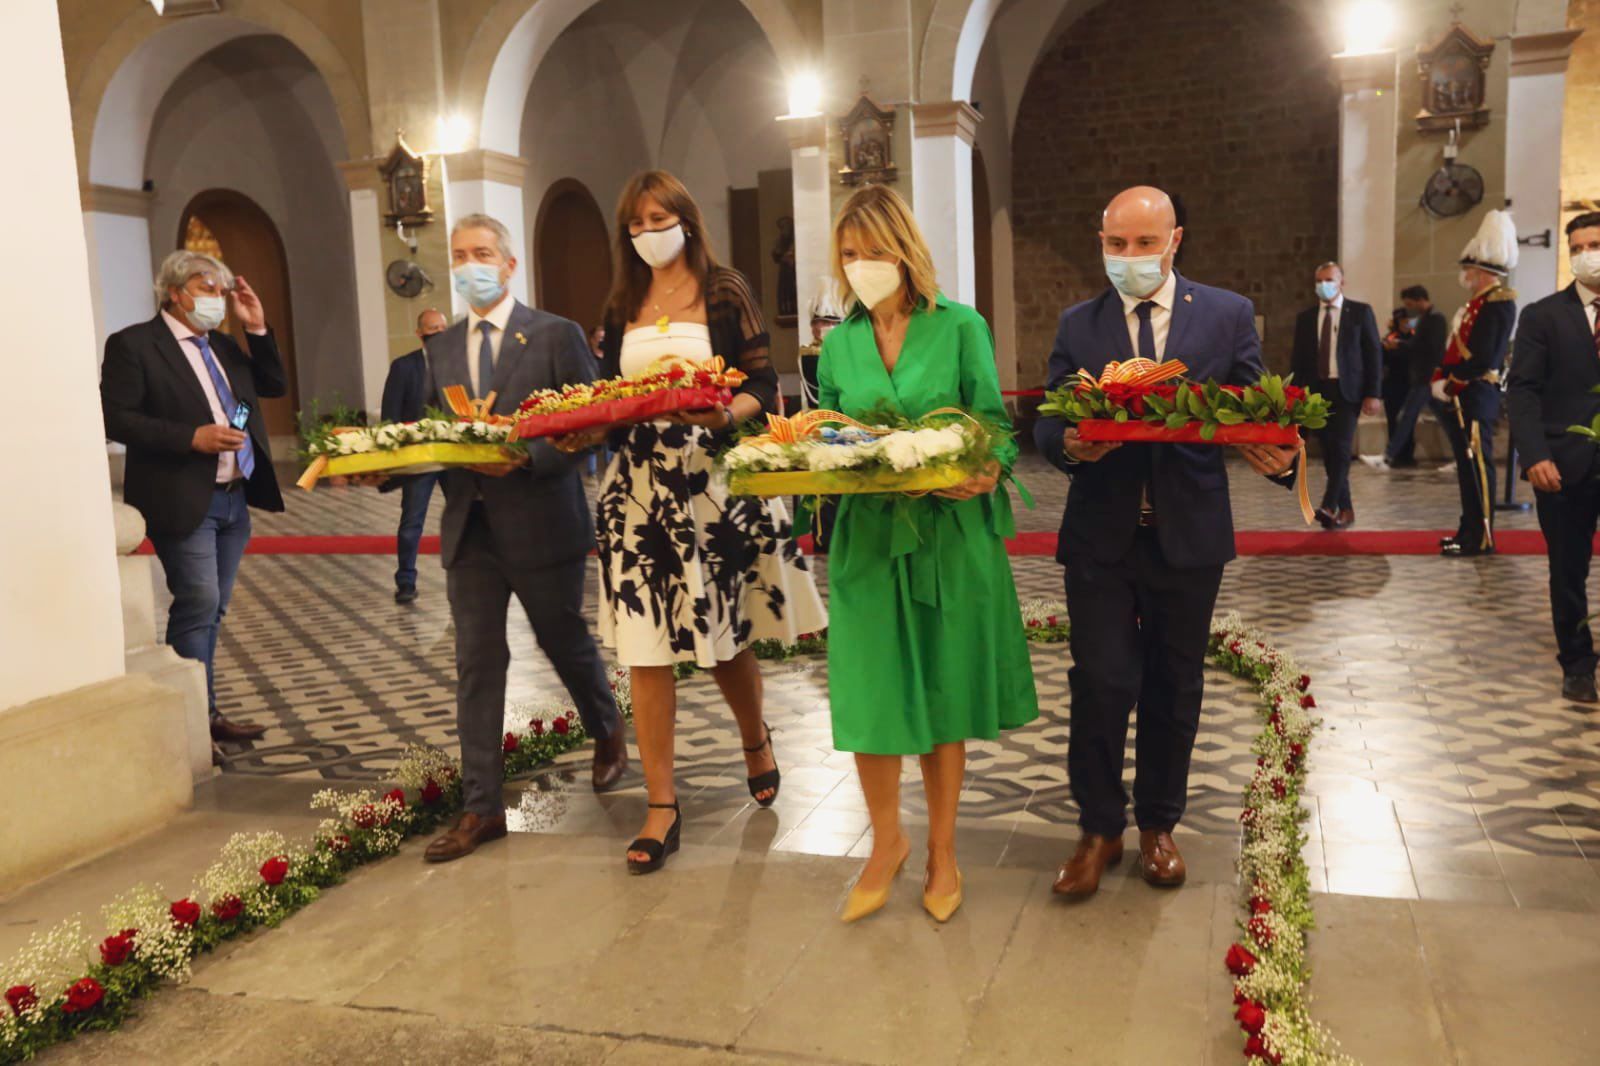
(881, 219)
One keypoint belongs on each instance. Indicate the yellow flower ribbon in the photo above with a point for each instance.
(1133, 372)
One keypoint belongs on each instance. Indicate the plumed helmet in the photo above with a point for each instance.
(1495, 247)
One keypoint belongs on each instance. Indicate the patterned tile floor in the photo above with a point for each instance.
(1449, 766)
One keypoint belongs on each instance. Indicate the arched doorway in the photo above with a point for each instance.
(232, 227)
(982, 239)
(572, 254)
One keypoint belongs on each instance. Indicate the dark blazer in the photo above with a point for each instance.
(1359, 354)
(153, 403)
(1550, 385)
(1423, 351)
(1214, 333)
(405, 390)
(538, 516)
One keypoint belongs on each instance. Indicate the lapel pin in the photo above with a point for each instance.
(521, 339)
(1188, 297)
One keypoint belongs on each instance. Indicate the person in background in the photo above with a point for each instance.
(1468, 379)
(1552, 386)
(1336, 353)
(601, 454)
(405, 399)
(185, 400)
(1415, 348)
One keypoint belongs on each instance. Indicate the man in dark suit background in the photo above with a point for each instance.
(1551, 387)
(406, 399)
(1415, 349)
(1146, 533)
(173, 390)
(1336, 353)
(521, 528)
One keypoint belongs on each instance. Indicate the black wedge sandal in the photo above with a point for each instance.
(658, 850)
(771, 779)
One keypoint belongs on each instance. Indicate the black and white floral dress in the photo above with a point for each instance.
(689, 573)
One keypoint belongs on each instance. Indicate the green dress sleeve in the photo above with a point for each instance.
(980, 386)
(827, 385)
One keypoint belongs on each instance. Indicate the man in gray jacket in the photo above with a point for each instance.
(522, 528)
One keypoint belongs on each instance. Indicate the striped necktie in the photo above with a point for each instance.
(246, 456)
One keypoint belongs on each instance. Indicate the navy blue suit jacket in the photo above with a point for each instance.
(405, 390)
(1213, 332)
(1359, 355)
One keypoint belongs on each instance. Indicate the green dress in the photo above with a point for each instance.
(925, 639)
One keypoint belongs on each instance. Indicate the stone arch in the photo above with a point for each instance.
(951, 47)
(114, 105)
(515, 36)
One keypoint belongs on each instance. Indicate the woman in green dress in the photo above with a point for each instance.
(925, 644)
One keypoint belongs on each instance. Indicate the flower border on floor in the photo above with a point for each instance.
(52, 992)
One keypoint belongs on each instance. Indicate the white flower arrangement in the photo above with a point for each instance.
(237, 871)
(900, 450)
(389, 436)
(162, 944)
(380, 817)
(422, 763)
(52, 960)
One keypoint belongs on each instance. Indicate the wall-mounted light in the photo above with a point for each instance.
(185, 7)
(1368, 27)
(805, 95)
(453, 134)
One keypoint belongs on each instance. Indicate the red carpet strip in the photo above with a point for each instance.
(1250, 542)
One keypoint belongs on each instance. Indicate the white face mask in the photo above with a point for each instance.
(660, 247)
(874, 280)
(1586, 268)
(208, 313)
(1137, 276)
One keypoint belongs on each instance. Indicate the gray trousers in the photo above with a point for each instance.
(480, 587)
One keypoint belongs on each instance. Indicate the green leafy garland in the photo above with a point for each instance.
(1271, 400)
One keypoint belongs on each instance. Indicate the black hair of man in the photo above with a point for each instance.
(1415, 292)
(1583, 221)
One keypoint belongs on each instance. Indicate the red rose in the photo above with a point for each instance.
(1238, 997)
(1297, 749)
(1251, 1016)
(1279, 789)
(397, 795)
(537, 725)
(431, 792)
(85, 995)
(561, 727)
(114, 950)
(1240, 961)
(1261, 760)
(335, 844)
(1256, 1048)
(1260, 929)
(1235, 647)
(228, 908)
(1308, 701)
(1136, 405)
(1248, 815)
(364, 816)
(274, 870)
(1166, 392)
(1260, 905)
(511, 743)
(20, 998)
(185, 913)
(1051, 621)
(1305, 682)
(571, 716)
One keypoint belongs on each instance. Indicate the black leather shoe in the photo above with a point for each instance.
(1455, 549)
(1328, 518)
(1445, 542)
(1579, 688)
(405, 595)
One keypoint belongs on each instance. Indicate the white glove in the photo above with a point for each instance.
(1439, 390)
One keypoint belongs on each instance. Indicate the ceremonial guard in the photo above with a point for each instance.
(1468, 380)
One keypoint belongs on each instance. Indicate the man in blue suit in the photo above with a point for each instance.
(1146, 533)
(1337, 353)
(406, 399)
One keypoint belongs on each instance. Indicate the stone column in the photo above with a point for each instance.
(116, 223)
(1367, 193)
(489, 182)
(813, 213)
(941, 177)
(1533, 140)
(372, 294)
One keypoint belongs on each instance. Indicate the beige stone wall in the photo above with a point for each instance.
(1580, 148)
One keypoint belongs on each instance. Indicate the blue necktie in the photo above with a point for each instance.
(1147, 332)
(485, 358)
(246, 456)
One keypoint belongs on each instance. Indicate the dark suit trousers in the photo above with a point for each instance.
(1568, 520)
(1338, 442)
(1470, 527)
(1140, 631)
(480, 587)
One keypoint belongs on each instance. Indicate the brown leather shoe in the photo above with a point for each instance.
(1080, 876)
(470, 830)
(1159, 860)
(610, 760)
(222, 729)
(1346, 517)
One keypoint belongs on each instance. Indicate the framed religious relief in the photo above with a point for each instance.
(405, 175)
(868, 133)
(1454, 76)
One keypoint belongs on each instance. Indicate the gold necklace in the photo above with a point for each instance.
(656, 305)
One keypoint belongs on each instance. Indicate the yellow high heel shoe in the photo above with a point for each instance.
(942, 907)
(862, 902)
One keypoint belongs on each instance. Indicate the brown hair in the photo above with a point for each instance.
(878, 216)
(633, 273)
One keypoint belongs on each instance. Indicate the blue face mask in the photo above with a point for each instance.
(1413, 320)
(479, 284)
(1327, 290)
(1137, 276)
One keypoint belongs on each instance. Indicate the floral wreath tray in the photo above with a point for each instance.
(416, 459)
(843, 482)
(624, 410)
(1106, 429)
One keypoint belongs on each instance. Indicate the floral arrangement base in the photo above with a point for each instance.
(416, 459)
(1106, 429)
(842, 482)
(625, 410)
